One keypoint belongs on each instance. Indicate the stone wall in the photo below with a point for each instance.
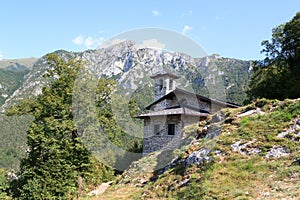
(160, 105)
(156, 141)
(163, 121)
(153, 142)
(162, 86)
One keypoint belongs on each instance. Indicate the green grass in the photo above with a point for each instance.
(232, 175)
(246, 177)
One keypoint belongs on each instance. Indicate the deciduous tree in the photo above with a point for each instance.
(277, 76)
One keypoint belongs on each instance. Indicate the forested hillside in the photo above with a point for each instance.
(10, 81)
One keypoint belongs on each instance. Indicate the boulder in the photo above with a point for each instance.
(198, 157)
(277, 152)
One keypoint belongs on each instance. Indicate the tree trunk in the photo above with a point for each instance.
(79, 186)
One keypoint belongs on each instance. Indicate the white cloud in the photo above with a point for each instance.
(186, 29)
(91, 42)
(88, 42)
(1, 56)
(110, 43)
(78, 40)
(155, 13)
(152, 43)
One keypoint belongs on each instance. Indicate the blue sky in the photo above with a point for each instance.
(231, 28)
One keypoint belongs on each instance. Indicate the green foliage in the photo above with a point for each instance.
(13, 140)
(10, 81)
(276, 77)
(60, 147)
(106, 122)
(232, 84)
(4, 184)
(56, 157)
(142, 97)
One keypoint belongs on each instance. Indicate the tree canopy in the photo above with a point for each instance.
(57, 162)
(277, 76)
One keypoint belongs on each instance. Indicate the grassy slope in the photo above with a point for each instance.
(231, 175)
(252, 177)
(23, 61)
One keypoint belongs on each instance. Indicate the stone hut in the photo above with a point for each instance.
(171, 111)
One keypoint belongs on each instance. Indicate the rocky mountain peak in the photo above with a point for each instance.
(131, 65)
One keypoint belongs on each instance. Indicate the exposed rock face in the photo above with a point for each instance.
(277, 152)
(292, 133)
(251, 112)
(100, 189)
(198, 157)
(245, 149)
(132, 66)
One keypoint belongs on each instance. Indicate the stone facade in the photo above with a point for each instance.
(163, 84)
(157, 135)
(172, 110)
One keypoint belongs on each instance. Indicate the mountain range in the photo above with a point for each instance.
(132, 66)
(213, 76)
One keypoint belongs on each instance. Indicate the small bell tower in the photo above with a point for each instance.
(164, 82)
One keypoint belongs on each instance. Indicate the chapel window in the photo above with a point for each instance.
(171, 129)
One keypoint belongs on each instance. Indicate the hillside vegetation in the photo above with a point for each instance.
(17, 64)
(277, 75)
(12, 72)
(10, 80)
(61, 138)
(80, 127)
(132, 79)
(255, 155)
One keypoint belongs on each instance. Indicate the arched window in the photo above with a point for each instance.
(171, 84)
(160, 84)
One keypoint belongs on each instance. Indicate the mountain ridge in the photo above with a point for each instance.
(131, 67)
(17, 64)
(125, 61)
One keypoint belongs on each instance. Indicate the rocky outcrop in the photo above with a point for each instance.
(277, 152)
(292, 133)
(100, 189)
(199, 157)
(131, 66)
(245, 148)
